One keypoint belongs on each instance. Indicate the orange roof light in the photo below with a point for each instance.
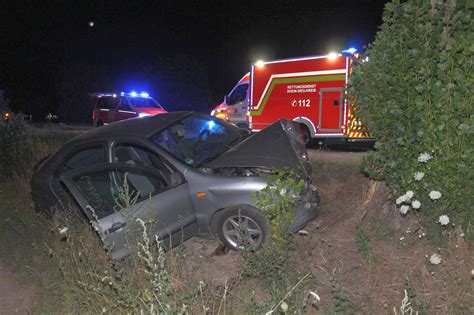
(201, 194)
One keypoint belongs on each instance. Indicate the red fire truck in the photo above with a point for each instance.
(307, 90)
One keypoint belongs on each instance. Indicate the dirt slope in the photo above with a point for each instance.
(397, 247)
(397, 251)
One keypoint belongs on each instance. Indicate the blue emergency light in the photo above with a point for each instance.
(349, 51)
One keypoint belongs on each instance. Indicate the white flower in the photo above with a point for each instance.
(401, 199)
(435, 259)
(424, 157)
(409, 194)
(404, 209)
(443, 219)
(435, 195)
(283, 192)
(419, 176)
(416, 204)
(284, 307)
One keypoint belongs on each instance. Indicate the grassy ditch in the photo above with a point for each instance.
(341, 265)
(73, 273)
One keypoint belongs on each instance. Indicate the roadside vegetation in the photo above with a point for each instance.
(415, 95)
(340, 264)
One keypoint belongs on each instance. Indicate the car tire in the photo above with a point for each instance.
(241, 228)
(99, 123)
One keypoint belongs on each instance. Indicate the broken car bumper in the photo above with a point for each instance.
(307, 210)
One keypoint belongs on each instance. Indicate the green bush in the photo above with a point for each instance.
(272, 264)
(14, 151)
(415, 94)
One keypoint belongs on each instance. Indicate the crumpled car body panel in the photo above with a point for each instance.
(278, 146)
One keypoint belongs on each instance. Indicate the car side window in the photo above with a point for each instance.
(107, 102)
(238, 95)
(85, 156)
(124, 104)
(134, 154)
(106, 190)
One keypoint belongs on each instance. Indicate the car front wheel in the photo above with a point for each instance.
(242, 228)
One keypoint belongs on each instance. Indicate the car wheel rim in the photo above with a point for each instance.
(242, 232)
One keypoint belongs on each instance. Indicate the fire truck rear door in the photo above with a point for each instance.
(330, 110)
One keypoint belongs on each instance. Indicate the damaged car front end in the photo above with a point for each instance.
(278, 146)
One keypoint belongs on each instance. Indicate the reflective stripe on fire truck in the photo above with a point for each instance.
(356, 129)
(289, 78)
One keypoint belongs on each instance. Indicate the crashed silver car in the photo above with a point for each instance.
(193, 174)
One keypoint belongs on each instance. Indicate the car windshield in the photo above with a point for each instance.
(141, 102)
(198, 139)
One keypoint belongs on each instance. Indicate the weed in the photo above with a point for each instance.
(405, 307)
(343, 304)
(362, 241)
(15, 152)
(277, 200)
(410, 295)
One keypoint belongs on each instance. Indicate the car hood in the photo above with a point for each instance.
(277, 146)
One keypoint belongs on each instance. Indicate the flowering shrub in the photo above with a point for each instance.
(415, 95)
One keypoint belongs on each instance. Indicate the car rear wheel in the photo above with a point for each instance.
(242, 228)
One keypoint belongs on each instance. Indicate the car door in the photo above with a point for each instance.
(114, 195)
(107, 110)
(237, 103)
(125, 111)
(175, 208)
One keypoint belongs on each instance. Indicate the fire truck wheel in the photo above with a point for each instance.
(306, 134)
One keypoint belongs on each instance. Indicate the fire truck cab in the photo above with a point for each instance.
(234, 108)
(308, 90)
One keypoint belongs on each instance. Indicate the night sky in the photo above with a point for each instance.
(49, 54)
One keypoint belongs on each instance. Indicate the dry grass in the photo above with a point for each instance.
(69, 272)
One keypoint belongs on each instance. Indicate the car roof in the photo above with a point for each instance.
(141, 126)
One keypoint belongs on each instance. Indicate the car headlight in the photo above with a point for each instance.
(143, 115)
